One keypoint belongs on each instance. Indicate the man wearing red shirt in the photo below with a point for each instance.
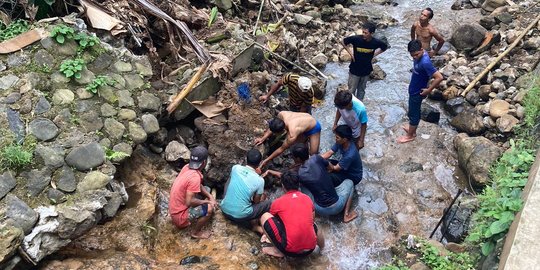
(186, 203)
(290, 223)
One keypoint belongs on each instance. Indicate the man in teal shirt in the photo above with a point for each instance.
(243, 202)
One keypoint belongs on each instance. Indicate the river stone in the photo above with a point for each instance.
(520, 111)
(63, 96)
(410, 166)
(121, 66)
(160, 138)
(110, 95)
(125, 99)
(144, 69)
(90, 121)
(37, 180)
(12, 98)
(150, 123)
(498, 108)
(10, 239)
(137, 133)
(65, 179)
(8, 81)
(451, 92)
(190, 260)
(468, 36)
(419, 266)
(506, 123)
(302, 19)
(53, 157)
(7, 183)
(456, 223)
(42, 106)
(63, 118)
(455, 106)
(15, 124)
(42, 58)
(101, 63)
(472, 97)
(124, 148)
(56, 196)
(105, 143)
(483, 91)
(488, 22)
(491, 5)
(469, 122)
(429, 113)
(58, 79)
(43, 128)
(107, 110)
(112, 206)
(186, 133)
(475, 157)
(532, 43)
(148, 102)
(118, 81)
(87, 77)
(319, 60)
(114, 129)
(504, 17)
(377, 73)
(82, 93)
(133, 81)
(17, 59)
(68, 48)
(86, 157)
(2, 66)
(175, 151)
(19, 214)
(126, 114)
(93, 180)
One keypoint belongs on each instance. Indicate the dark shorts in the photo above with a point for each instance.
(415, 105)
(198, 212)
(258, 210)
(275, 230)
(316, 129)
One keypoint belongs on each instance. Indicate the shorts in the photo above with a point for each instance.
(275, 230)
(258, 210)
(316, 129)
(415, 108)
(197, 212)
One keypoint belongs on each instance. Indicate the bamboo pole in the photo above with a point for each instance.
(182, 94)
(501, 56)
(316, 69)
(258, 17)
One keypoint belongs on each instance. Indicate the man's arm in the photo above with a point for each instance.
(192, 200)
(437, 79)
(360, 140)
(336, 119)
(439, 38)
(327, 154)
(413, 31)
(260, 140)
(278, 151)
(208, 195)
(273, 89)
(347, 48)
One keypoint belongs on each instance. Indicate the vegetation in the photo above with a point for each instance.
(98, 82)
(62, 33)
(72, 67)
(86, 41)
(112, 155)
(14, 29)
(15, 155)
(213, 16)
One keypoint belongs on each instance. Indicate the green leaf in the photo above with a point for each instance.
(498, 227)
(487, 248)
(49, 2)
(69, 73)
(60, 39)
(78, 75)
(213, 15)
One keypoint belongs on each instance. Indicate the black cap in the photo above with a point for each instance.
(198, 156)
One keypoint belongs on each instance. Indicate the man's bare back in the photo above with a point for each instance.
(297, 123)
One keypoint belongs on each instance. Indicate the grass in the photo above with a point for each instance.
(15, 155)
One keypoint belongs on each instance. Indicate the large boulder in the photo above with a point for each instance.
(10, 239)
(468, 36)
(475, 157)
(430, 114)
(86, 157)
(19, 214)
(469, 122)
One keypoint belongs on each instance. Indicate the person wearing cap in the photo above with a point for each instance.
(190, 201)
(365, 47)
(354, 113)
(299, 127)
(244, 201)
(350, 164)
(300, 92)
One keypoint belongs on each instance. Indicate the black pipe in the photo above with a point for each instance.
(446, 213)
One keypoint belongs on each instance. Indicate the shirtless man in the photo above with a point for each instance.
(298, 126)
(424, 32)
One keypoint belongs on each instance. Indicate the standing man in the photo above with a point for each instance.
(243, 201)
(350, 164)
(423, 71)
(353, 112)
(300, 92)
(424, 32)
(186, 203)
(290, 224)
(365, 47)
(299, 127)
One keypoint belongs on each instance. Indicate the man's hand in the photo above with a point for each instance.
(334, 127)
(432, 53)
(263, 98)
(359, 144)
(425, 92)
(259, 141)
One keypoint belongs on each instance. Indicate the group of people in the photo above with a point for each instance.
(315, 183)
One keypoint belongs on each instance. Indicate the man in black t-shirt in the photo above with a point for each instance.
(365, 47)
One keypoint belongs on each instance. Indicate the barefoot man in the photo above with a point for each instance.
(423, 71)
(186, 203)
(298, 126)
(425, 32)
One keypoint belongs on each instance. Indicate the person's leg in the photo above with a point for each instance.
(314, 142)
(259, 209)
(206, 214)
(352, 83)
(345, 193)
(269, 232)
(320, 237)
(415, 104)
(361, 87)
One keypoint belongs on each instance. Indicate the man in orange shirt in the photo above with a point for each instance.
(186, 203)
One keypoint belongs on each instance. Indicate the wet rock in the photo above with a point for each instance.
(377, 73)
(504, 17)
(455, 106)
(429, 113)
(8, 81)
(455, 225)
(302, 19)
(148, 102)
(10, 239)
(484, 91)
(112, 206)
(86, 157)
(87, 77)
(107, 110)
(19, 214)
(7, 183)
(126, 115)
(137, 133)
(451, 92)
(144, 69)
(150, 123)
(37, 180)
(121, 66)
(11, 98)
(472, 97)
(411, 166)
(175, 151)
(42, 106)
(133, 81)
(53, 157)
(114, 129)
(468, 122)
(488, 22)
(124, 148)
(475, 157)
(319, 60)
(42, 58)
(101, 63)
(65, 179)
(498, 108)
(15, 124)
(43, 128)
(506, 123)
(491, 5)
(93, 180)
(468, 36)
(56, 196)
(112, 96)
(190, 260)
(91, 121)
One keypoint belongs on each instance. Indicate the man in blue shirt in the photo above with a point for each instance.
(423, 71)
(365, 47)
(317, 184)
(350, 164)
(354, 113)
(243, 201)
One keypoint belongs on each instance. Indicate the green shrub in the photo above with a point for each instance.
(98, 82)
(62, 32)
(112, 155)
(453, 261)
(14, 29)
(86, 41)
(531, 102)
(15, 157)
(72, 67)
